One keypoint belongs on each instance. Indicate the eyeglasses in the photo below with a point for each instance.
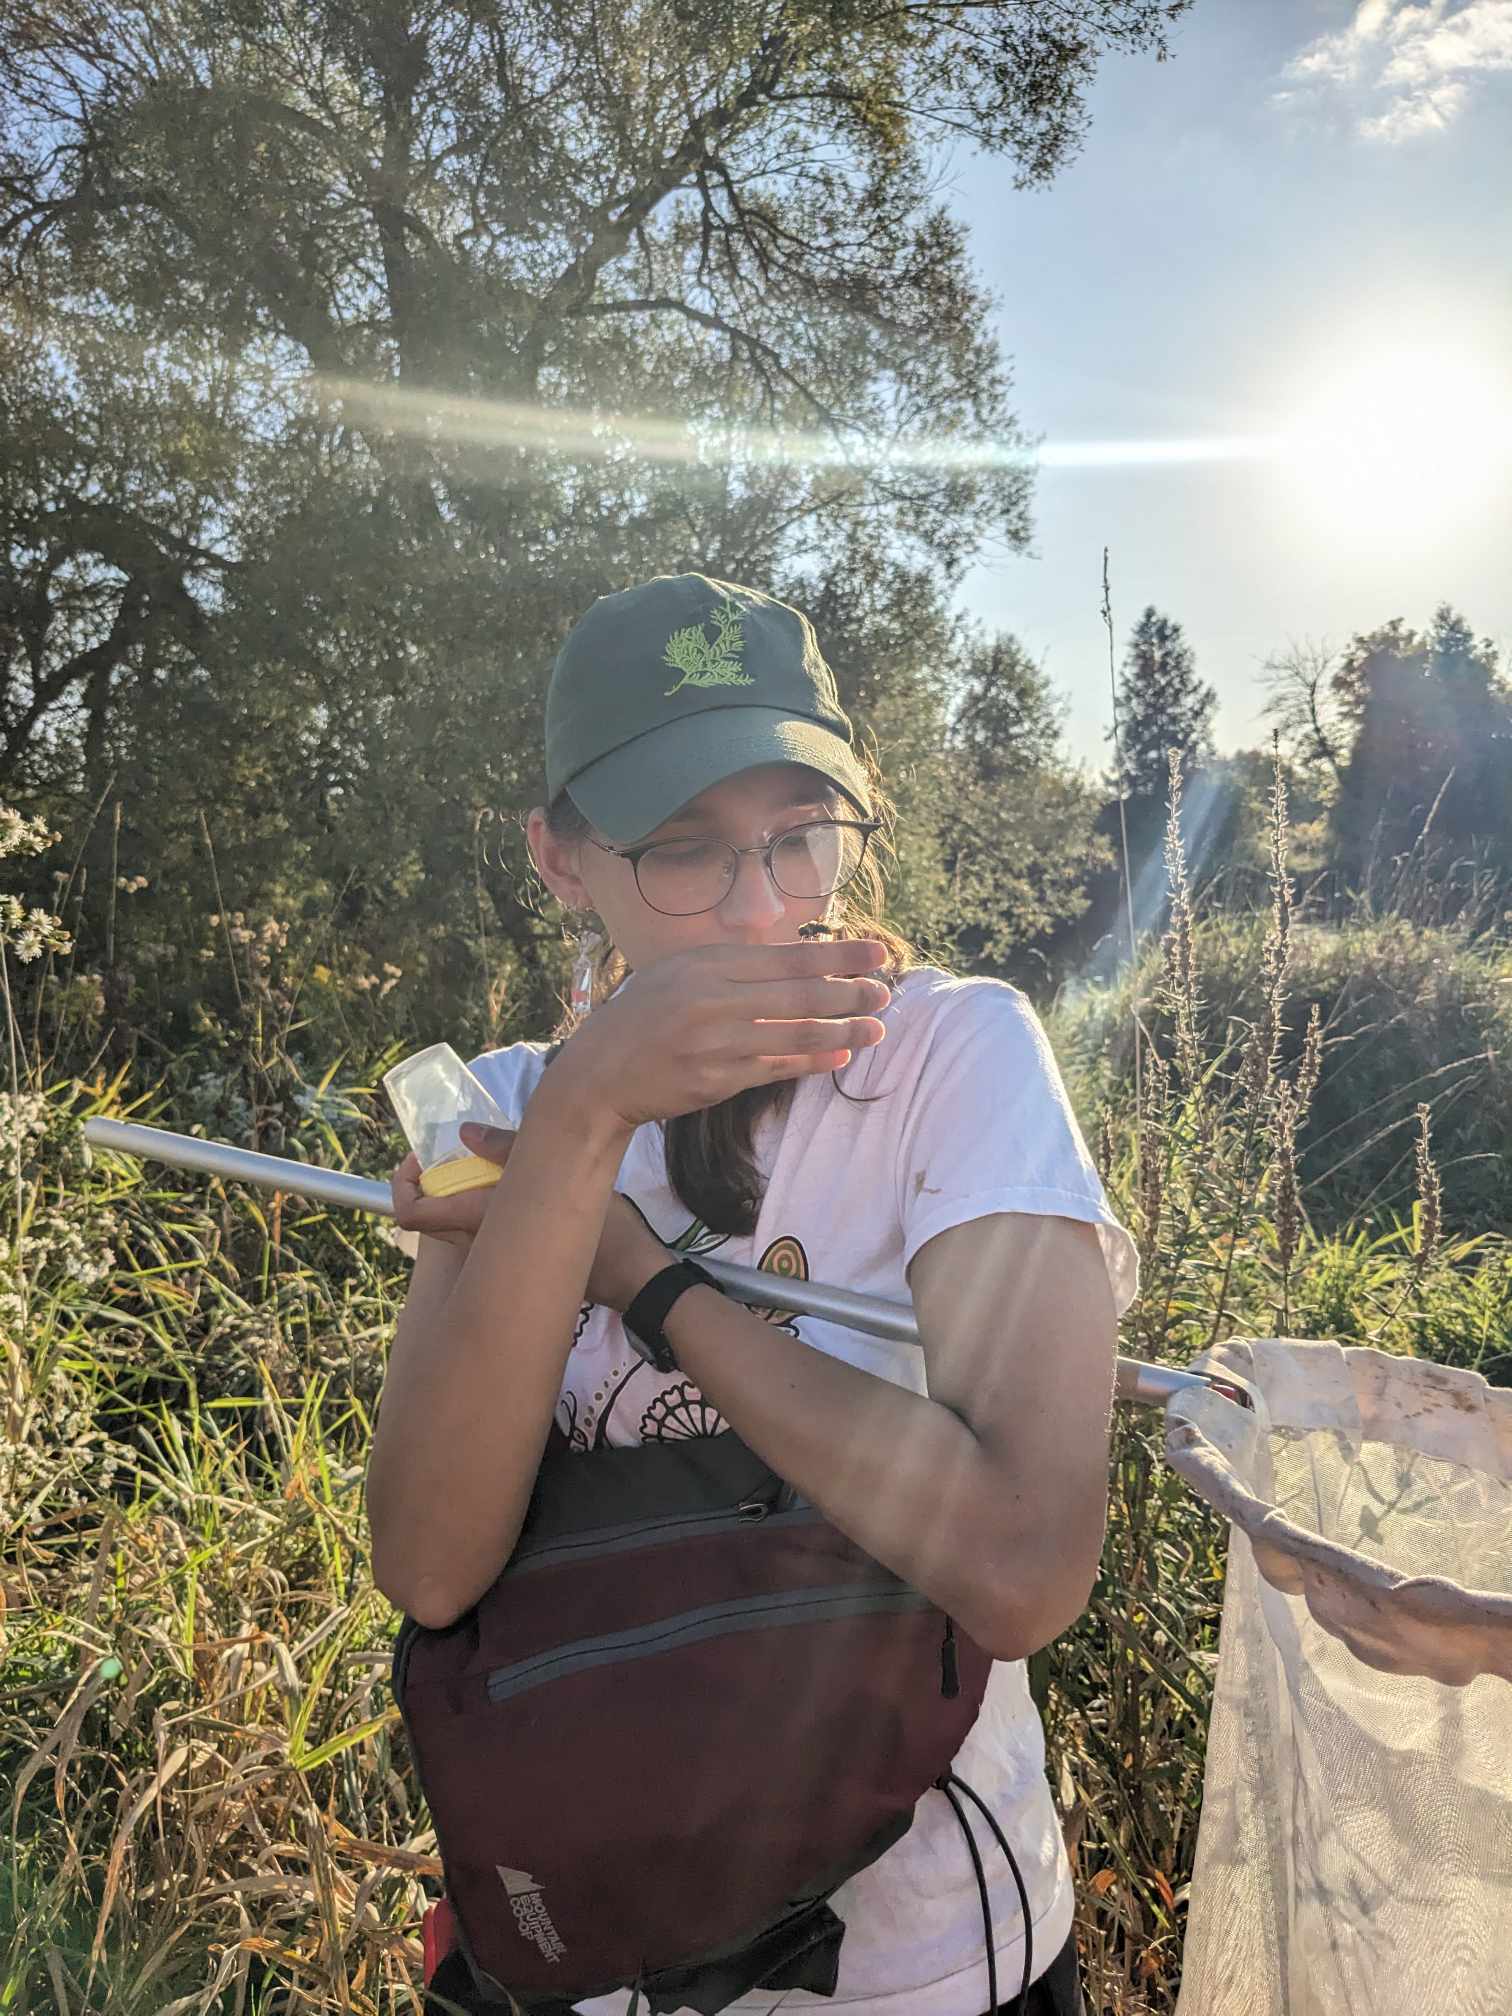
(680, 878)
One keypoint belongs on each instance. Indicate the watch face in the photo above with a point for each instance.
(650, 1309)
(658, 1354)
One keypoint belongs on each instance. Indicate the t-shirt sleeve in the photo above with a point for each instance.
(989, 1128)
(510, 1075)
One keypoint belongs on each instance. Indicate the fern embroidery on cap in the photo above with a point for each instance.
(702, 663)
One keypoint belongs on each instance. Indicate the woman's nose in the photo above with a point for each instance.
(754, 899)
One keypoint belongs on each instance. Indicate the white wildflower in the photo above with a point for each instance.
(23, 836)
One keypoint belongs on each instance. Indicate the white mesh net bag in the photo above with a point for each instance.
(1354, 1856)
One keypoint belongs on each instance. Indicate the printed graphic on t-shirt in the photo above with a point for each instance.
(567, 1405)
(696, 1238)
(680, 1413)
(673, 1410)
(785, 1256)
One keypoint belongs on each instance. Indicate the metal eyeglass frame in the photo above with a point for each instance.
(634, 855)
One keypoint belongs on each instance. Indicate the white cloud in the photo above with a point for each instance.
(1341, 56)
(1405, 67)
(1416, 112)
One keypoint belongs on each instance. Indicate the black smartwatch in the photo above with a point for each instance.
(644, 1318)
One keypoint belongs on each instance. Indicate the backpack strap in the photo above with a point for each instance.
(944, 1783)
(799, 1951)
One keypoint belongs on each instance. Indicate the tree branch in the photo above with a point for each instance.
(574, 285)
(761, 353)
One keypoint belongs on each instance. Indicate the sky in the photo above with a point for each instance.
(1280, 262)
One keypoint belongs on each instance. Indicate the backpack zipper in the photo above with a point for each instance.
(691, 1627)
(749, 1511)
(636, 1533)
(950, 1663)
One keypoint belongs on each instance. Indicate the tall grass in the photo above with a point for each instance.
(1206, 1169)
(210, 1803)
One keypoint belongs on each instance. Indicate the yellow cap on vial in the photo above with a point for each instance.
(462, 1172)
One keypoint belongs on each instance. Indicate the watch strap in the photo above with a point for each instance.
(645, 1316)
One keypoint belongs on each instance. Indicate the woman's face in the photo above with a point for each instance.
(746, 810)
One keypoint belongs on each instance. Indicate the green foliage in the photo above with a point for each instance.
(1430, 764)
(1234, 846)
(1162, 705)
(346, 356)
(1202, 1149)
(1020, 840)
(1408, 1013)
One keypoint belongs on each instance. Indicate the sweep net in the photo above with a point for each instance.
(1354, 1856)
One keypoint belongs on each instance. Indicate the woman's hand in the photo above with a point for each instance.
(697, 1027)
(454, 1219)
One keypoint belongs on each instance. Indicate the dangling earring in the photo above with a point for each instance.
(585, 952)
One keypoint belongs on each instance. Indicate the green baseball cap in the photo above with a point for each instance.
(663, 689)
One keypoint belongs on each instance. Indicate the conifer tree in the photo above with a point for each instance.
(1162, 705)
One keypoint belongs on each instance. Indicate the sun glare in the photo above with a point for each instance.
(1412, 435)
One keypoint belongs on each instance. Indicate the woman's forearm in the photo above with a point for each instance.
(437, 1264)
(902, 1476)
(473, 1381)
(887, 1465)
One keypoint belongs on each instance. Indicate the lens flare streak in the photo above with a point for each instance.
(448, 418)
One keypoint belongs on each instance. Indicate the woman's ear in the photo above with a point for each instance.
(556, 862)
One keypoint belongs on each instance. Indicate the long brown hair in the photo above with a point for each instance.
(711, 1161)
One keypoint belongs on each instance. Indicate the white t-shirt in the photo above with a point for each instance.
(973, 1119)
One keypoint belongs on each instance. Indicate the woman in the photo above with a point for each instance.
(766, 1071)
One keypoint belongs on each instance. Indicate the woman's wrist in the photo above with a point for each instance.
(457, 1241)
(638, 1270)
(565, 1104)
(630, 1254)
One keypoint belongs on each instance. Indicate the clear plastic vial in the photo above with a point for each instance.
(432, 1093)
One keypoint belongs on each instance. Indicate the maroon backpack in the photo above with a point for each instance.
(685, 1712)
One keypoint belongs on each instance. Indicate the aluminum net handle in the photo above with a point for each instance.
(1137, 1382)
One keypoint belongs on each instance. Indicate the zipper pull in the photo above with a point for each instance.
(751, 1510)
(950, 1663)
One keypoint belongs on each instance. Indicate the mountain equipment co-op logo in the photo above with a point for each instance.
(528, 1903)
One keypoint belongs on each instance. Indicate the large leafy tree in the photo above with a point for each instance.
(1429, 717)
(352, 351)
